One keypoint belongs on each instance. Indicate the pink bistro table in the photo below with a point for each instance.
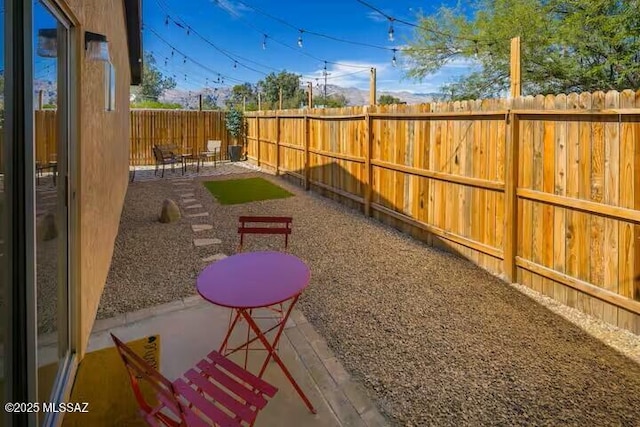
(252, 280)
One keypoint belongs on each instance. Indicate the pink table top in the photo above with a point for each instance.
(253, 279)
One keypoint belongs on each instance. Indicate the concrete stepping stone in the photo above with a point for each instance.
(213, 258)
(189, 200)
(194, 207)
(201, 227)
(197, 215)
(187, 195)
(206, 242)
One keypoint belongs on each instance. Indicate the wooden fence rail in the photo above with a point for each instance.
(544, 191)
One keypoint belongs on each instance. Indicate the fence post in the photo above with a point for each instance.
(307, 171)
(277, 144)
(511, 198)
(258, 138)
(367, 163)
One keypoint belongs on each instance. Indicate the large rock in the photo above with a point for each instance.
(47, 228)
(170, 211)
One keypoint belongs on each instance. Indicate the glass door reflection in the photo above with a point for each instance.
(51, 139)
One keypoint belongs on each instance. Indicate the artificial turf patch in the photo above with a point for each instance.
(236, 191)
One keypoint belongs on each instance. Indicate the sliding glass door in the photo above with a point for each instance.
(36, 340)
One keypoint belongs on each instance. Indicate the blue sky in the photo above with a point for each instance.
(238, 30)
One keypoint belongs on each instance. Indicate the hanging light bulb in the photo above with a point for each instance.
(166, 60)
(172, 52)
(391, 32)
(393, 60)
(184, 60)
(300, 38)
(188, 30)
(475, 54)
(235, 64)
(185, 77)
(166, 21)
(264, 42)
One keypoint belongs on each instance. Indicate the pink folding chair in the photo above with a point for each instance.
(216, 392)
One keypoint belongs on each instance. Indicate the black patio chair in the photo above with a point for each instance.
(164, 158)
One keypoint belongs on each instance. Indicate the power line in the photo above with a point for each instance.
(204, 67)
(267, 36)
(307, 31)
(181, 23)
(430, 30)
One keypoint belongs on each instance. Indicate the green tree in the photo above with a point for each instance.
(154, 84)
(567, 45)
(292, 94)
(388, 99)
(337, 100)
(156, 104)
(243, 94)
(210, 102)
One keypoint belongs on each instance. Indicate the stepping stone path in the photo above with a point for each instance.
(187, 195)
(201, 227)
(189, 200)
(198, 215)
(216, 257)
(194, 207)
(206, 242)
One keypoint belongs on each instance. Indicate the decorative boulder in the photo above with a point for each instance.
(170, 211)
(47, 228)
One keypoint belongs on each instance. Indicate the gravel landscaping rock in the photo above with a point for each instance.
(435, 340)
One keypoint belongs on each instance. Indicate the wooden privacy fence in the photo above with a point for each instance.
(544, 191)
(189, 130)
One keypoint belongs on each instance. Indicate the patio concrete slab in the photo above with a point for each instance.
(187, 334)
(206, 242)
(201, 227)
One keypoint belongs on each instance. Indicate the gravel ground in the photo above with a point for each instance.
(434, 339)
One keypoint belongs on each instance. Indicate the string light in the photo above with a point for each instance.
(184, 60)
(393, 60)
(264, 42)
(390, 29)
(166, 21)
(235, 64)
(475, 54)
(300, 38)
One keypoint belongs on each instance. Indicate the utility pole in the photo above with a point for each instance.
(200, 102)
(259, 101)
(280, 99)
(40, 96)
(325, 74)
(310, 94)
(372, 87)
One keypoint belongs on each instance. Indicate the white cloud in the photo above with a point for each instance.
(231, 6)
(388, 78)
(376, 17)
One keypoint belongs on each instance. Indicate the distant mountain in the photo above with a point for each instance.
(354, 96)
